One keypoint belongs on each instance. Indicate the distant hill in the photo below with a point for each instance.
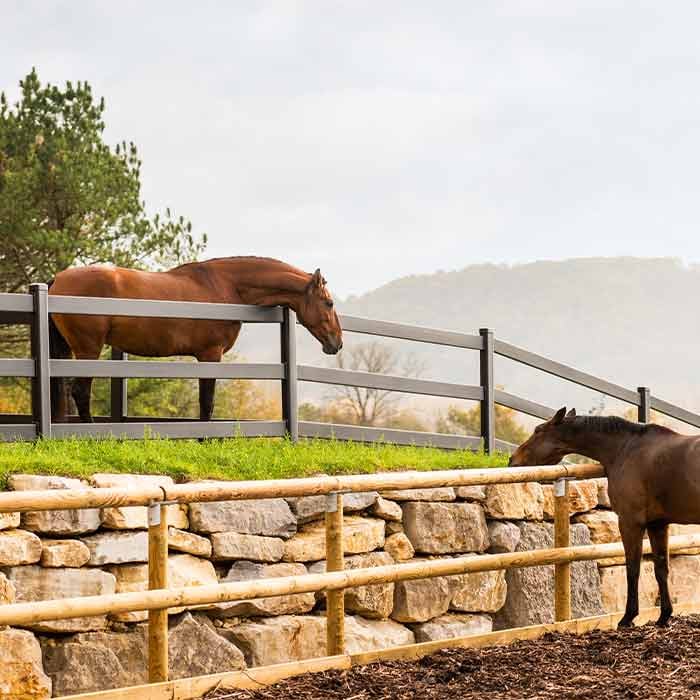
(632, 321)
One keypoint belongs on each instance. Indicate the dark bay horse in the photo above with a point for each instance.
(237, 280)
(653, 480)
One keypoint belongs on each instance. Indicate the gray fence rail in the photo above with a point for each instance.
(34, 309)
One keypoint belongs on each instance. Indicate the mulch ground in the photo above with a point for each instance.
(643, 662)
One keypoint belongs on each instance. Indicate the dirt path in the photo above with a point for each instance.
(642, 663)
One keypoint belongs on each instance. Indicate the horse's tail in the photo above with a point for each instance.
(58, 349)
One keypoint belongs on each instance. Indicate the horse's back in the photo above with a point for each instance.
(124, 283)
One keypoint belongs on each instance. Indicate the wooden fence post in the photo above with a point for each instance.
(157, 578)
(290, 383)
(118, 392)
(562, 572)
(644, 408)
(488, 415)
(41, 384)
(335, 600)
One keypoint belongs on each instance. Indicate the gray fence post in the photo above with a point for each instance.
(118, 392)
(41, 384)
(644, 409)
(288, 338)
(488, 409)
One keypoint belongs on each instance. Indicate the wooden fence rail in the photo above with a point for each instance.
(34, 309)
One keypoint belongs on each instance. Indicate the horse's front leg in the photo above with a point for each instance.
(632, 533)
(658, 537)
(207, 387)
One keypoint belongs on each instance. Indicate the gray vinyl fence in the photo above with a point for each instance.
(34, 309)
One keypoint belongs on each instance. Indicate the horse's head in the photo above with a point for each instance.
(546, 445)
(317, 314)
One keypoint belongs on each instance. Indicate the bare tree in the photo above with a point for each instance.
(373, 406)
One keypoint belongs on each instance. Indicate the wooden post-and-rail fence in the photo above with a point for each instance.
(34, 309)
(159, 598)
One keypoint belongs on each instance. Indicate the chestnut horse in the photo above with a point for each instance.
(238, 280)
(653, 480)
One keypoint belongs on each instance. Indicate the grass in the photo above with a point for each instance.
(234, 458)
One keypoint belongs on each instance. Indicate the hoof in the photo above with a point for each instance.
(626, 622)
(663, 621)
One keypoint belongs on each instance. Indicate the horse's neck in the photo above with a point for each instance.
(603, 447)
(262, 282)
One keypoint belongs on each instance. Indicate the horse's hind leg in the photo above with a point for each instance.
(658, 537)
(632, 542)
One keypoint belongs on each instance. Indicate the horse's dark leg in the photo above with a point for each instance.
(81, 395)
(207, 390)
(632, 541)
(207, 387)
(658, 537)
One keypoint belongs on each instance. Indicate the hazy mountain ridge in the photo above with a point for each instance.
(629, 320)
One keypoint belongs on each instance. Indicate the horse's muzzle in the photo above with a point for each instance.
(332, 348)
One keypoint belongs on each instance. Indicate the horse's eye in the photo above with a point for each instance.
(329, 303)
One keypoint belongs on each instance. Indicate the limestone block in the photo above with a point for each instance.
(95, 661)
(472, 493)
(452, 625)
(483, 591)
(19, 547)
(683, 579)
(375, 602)
(9, 521)
(34, 583)
(64, 553)
(602, 524)
(613, 587)
(184, 570)
(504, 536)
(136, 517)
(362, 635)
(268, 517)
(514, 501)
(233, 545)
(309, 508)
(420, 600)
(583, 497)
(603, 497)
(360, 535)
(114, 547)
(195, 649)
(441, 528)
(22, 674)
(276, 640)
(387, 510)
(393, 527)
(279, 605)
(675, 530)
(399, 547)
(189, 543)
(530, 599)
(55, 522)
(7, 591)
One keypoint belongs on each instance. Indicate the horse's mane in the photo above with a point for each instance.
(252, 258)
(606, 424)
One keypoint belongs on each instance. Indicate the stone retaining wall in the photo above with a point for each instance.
(48, 555)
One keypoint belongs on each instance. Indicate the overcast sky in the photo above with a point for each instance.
(380, 139)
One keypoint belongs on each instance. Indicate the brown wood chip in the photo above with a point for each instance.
(644, 662)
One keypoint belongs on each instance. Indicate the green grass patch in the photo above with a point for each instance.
(234, 458)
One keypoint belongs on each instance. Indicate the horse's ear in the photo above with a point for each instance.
(558, 417)
(571, 413)
(316, 280)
